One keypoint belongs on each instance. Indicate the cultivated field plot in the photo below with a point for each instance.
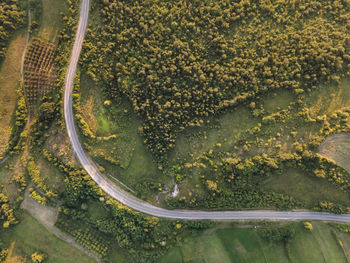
(337, 148)
(39, 70)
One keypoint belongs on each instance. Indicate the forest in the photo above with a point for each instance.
(179, 62)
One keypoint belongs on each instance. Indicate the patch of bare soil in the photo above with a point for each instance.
(337, 148)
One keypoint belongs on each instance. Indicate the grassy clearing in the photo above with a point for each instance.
(8, 169)
(224, 130)
(97, 210)
(5, 179)
(278, 100)
(128, 150)
(95, 113)
(228, 128)
(9, 79)
(51, 175)
(51, 20)
(328, 98)
(244, 245)
(305, 188)
(30, 236)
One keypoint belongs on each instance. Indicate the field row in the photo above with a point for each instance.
(39, 70)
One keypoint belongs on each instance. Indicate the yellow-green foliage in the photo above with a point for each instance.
(308, 225)
(213, 186)
(38, 257)
(20, 179)
(7, 217)
(35, 175)
(18, 135)
(21, 110)
(3, 254)
(37, 196)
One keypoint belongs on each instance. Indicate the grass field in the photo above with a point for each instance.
(30, 236)
(305, 188)
(9, 79)
(51, 20)
(243, 245)
(227, 245)
(319, 245)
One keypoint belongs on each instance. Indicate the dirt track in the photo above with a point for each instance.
(47, 216)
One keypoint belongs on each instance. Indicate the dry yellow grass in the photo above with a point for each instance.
(9, 78)
(88, 114)
(14, 259)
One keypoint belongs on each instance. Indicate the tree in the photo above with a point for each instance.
(308, 225)
(38, 257)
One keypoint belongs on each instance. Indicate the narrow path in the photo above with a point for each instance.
(135, 203)
(22, 64)
(4, 159)
(47, 216)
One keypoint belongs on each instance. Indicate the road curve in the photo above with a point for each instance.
(126, 198)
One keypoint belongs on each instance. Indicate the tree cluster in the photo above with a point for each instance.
(11, 17)
(18, 136)
(7, 217)
(277, 234)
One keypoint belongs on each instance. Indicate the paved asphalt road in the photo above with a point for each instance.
(126, 198)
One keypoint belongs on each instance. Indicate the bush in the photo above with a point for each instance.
(277, 234)
(38, 257)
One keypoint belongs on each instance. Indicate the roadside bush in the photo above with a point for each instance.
(277, 234)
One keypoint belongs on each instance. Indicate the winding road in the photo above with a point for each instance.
(129, 200)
